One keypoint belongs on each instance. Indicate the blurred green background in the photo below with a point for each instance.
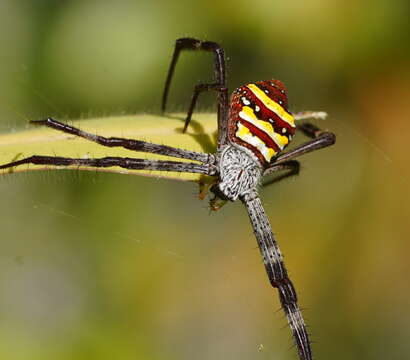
(105, 266)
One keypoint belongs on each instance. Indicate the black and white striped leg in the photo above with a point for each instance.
(219, 83)
(136, 145)
(321, 139)
(292, 168)
(278, 277)
(126, 163)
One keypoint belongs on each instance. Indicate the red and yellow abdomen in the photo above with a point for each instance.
(259, 119)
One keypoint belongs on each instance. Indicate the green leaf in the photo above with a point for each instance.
(158, 129)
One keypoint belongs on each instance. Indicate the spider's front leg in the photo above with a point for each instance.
(218, 85)
(126, 163)
(206, 167)
(130, 144)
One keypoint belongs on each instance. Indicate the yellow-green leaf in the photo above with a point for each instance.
(166, 130)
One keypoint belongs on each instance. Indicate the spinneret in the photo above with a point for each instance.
(259, 119)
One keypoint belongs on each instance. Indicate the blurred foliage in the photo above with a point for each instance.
(97, 266)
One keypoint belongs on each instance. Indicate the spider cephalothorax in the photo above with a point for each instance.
(253, 129)
(239, 173)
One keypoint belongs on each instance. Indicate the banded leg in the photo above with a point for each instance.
(126, 163)
(218, 85)
(292, 168)
(320, 140)
(278, 277)
(136, 145)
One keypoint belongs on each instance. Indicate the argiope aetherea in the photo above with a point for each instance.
(253, 128)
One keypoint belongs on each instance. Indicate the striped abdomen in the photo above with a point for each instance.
(259, 119)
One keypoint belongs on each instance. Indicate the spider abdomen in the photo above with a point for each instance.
(259, 119)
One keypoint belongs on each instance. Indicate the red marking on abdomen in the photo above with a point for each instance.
(261, 135)
(265, 114)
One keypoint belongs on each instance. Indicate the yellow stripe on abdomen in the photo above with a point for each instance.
(248, 115)
(245, 135)
(272, 105)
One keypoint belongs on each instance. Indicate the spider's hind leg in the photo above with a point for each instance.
(304, 115)
(320, 139)
(218, 85)
(202, 88)
(292, 168)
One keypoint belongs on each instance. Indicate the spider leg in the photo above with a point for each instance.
(136, 145)
(292, 168)
(126, 163)
(320, 140)
(223, 91)
(218, 85)
(303, 115)
(278, 276)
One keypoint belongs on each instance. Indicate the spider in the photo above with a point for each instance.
(254, 126)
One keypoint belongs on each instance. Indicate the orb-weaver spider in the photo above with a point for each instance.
(253, 129)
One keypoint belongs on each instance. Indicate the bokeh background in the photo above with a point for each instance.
(104, 266)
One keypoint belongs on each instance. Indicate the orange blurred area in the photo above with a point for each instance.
(103, 266)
